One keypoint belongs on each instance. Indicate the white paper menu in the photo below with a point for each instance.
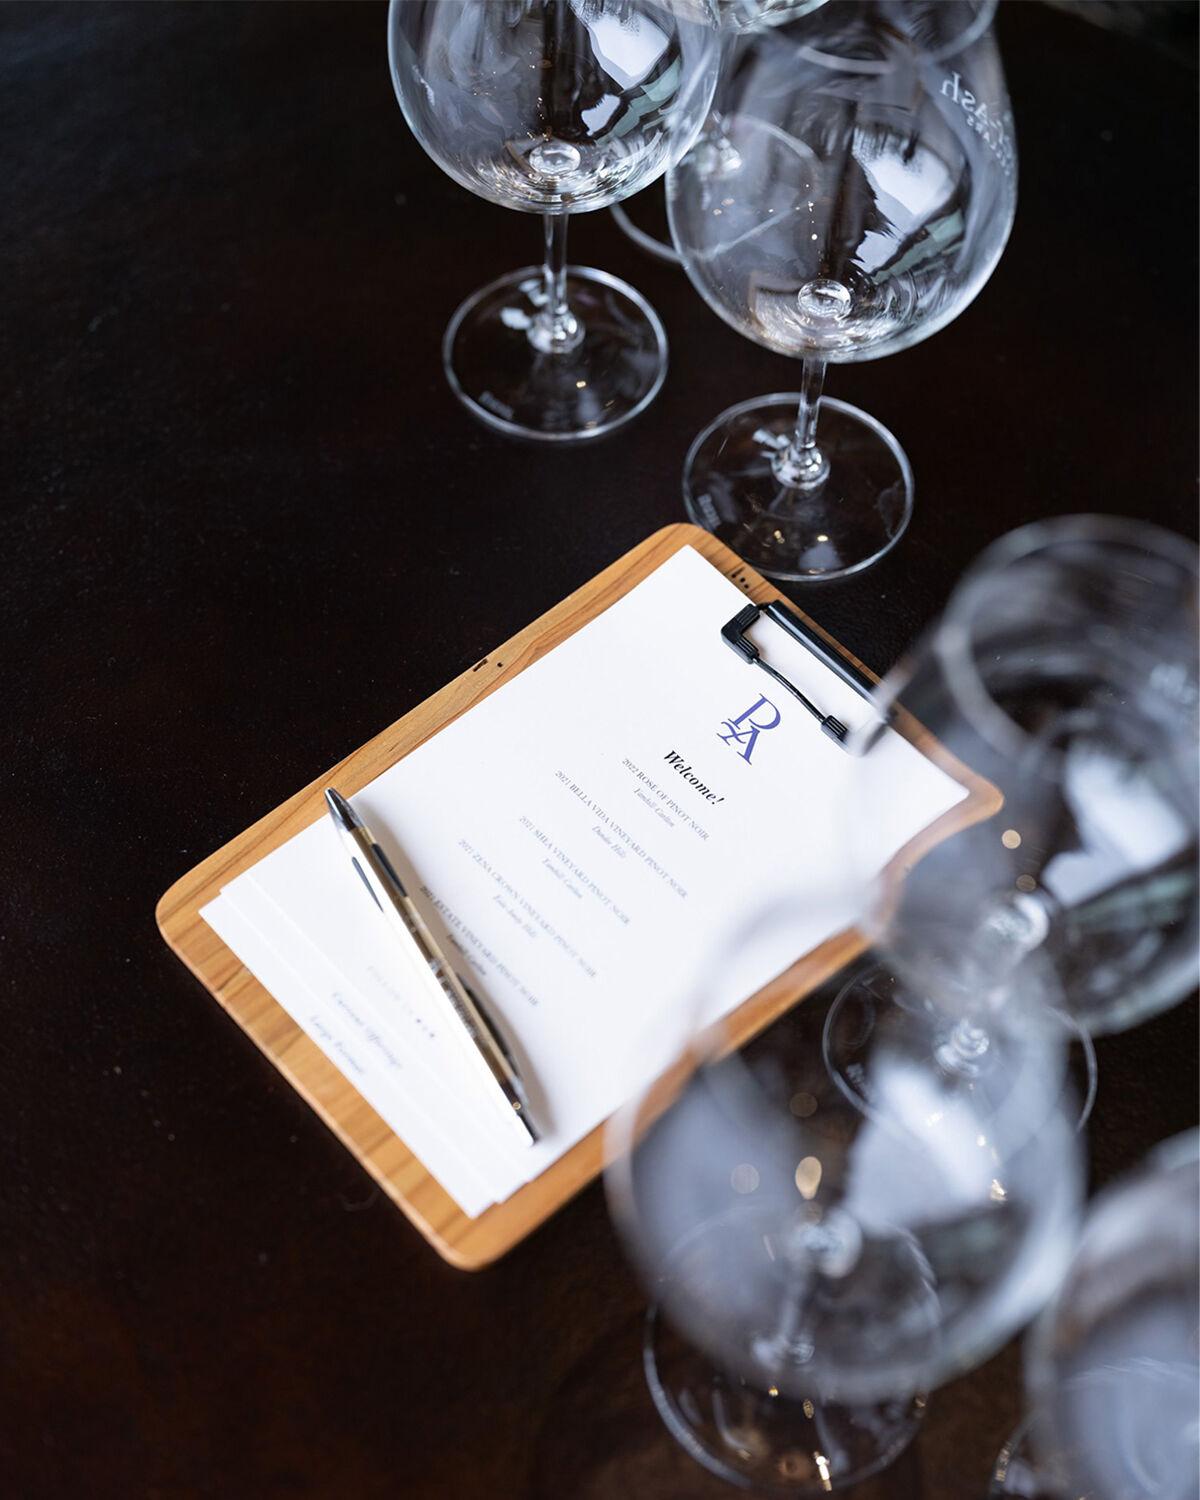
(587, 843)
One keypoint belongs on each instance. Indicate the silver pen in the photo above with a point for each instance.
(387, 891)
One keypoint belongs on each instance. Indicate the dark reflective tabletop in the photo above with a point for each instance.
(244, 526)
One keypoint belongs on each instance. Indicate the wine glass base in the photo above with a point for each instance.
(840, 525)
(650, 232)
(774, 1445)
(611, 374)
(876, 1002)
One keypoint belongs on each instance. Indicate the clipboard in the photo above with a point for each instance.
(465, 1242)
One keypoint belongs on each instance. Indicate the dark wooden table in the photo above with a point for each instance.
(244, 526)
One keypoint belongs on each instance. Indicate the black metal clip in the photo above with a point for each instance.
(734, 635)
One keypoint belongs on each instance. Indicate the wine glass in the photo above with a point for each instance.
(854, 198)
(1063, 674)
(1113, 1364)
(554, 107)
(735, 18)
(813, 1269)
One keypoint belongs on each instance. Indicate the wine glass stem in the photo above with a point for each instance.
(963, 1051)
(800, 464)
(554, 328)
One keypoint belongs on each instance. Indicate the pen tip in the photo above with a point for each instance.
(339, 807)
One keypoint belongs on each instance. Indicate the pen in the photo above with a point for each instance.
(387, 891)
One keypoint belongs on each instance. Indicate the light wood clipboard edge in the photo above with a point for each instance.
(466, 1243)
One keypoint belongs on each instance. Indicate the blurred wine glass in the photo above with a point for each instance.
(1113, 1364)
(814, 1270)
(851, 194)
(554, 107)
(1063, 677)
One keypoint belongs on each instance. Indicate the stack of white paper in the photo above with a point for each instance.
(588, 844)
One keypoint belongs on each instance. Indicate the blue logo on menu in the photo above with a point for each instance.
(746, 728)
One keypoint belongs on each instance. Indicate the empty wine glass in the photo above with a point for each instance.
(814, 1270)
(1113, 1364)
(554, 107)
(853, 197)
(1063, 677)
(735, 18)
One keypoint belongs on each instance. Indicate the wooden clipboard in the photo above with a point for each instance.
(469, 1243)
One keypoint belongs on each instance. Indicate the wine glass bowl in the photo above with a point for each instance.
(548, 105)
(1062, 676)
(1064, 672)
(553, 107)
(803, 288)
(1113, 1364)
(735, 18)
(852, 192)
(815, 1269)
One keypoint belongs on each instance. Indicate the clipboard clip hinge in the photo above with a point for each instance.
(733, 633)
